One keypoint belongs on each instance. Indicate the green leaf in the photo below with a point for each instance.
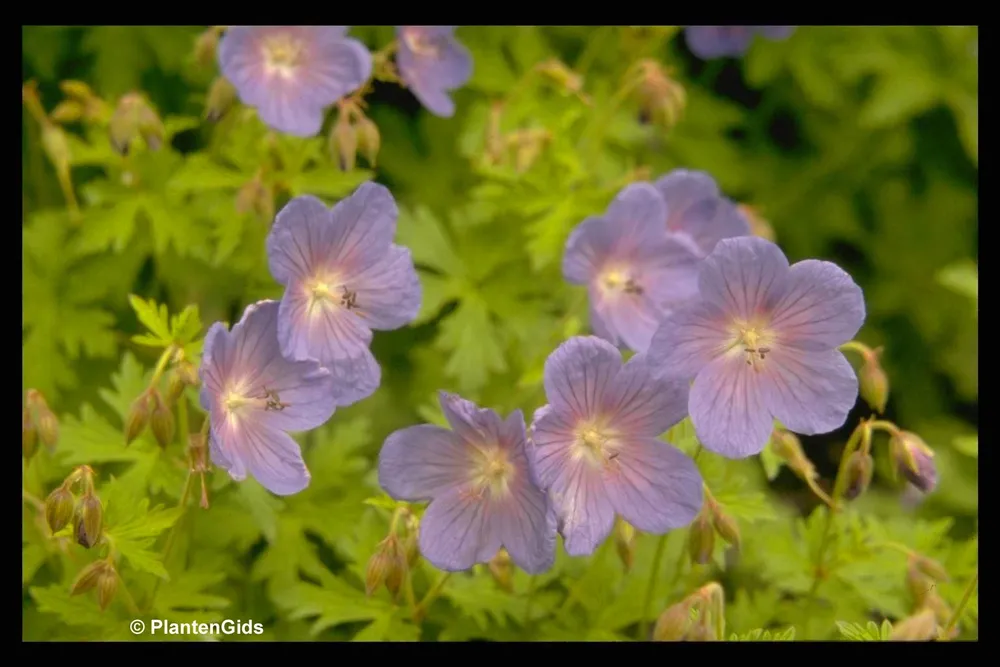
(865, 633)
(968, 445)
(760, 635)
(262, 506)
(331, 605)
(328, 182)
(469, 335)
(154, 316)
(200, 173)
(132, 528)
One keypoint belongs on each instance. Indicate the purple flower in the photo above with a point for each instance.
(292, 73)
(596, 450)
(343, 277)
(716, 41)
(761, 344)
(634, 271)
(482, 487)
(253, 396)
(697, 213)
(432, 62)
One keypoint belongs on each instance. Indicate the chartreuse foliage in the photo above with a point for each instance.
(858, 145)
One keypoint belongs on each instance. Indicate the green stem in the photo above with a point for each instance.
(887, 426)
(161, 365)
(168, 547)
(421, 609)
(653, 576)
(530, 600)
(127, 598)
(595, 46)
(182, 421)
(953, 621)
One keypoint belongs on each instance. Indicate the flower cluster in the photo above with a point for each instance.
(288, 364)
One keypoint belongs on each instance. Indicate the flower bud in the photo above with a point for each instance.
(931, 568)
(920, 627)
(625, 543)
(873, 383)
(161, 422)
(726, 527)
(385, 567)
(76, 89)
(138, 418)
(568, 80)
(858, 471)
(124, 125)
(673, 624)
(89, 520)
(914, 460)
(59, 508)
(67, 111)
(411, 543)
(56, 146)
(188, 373)
(369, 140)
(48, 427)
(701, 539)
(107, 586)
(344, 143)
(151, 127)
(175, 387)
(788, 447)
(29, 433)
(221, 96)
(205, 47)
(502, 571)
(88, 577)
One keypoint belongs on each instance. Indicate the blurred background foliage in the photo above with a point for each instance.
(857, 145)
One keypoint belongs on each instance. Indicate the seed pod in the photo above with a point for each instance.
(107, 586)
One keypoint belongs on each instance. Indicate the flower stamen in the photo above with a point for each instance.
(282, 54)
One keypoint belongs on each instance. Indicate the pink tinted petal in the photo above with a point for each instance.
(576, 489)
(309, 396)
(809, 392)
(423, 462)
(221, 450)
(579, 373)
(300, 239)
(364, 225)
(654, 486)
(709, 221)
(687, 340)
(455, 532)
(822, 307)
(215, 365)
(599, 326)
(776, 31)
(388, 292)
(682, 188)
(588, 247)
(471, 423)
(714, 41)
(743, 276)
(242, 62)
(450, 68)
(640, 405)
(628, 318)
(325, 332)
(729, 409)
(269, 455)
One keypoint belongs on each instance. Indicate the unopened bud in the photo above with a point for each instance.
(701, 632)
(175, 387)
(860, 467)
(137, 418)
(56, 146)
(67, 111)
(674, 624)
(29, 433)
(151, 127)
(931, 568)
(76, 89)
(88, 577)
(369, 140)
(205, 47)
(726, 527)
(161, 422)
(48, 427)
(625, 543)
(107, 586)
(788, 447)
(384, 567)
(124, 125)
(89, 520)
(344, 143)
(221, 96)
(59, 508)
(873, 383)
(920, 627)
(502, 571)
(914, 460)
(701, 539)
(568, 80)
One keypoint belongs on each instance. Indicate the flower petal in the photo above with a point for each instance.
(336, 68)
(681, 189)
(300, 239)
(809, 392)
(578, 374)
(585, 513)
(821, 308)
(364, 226)
(640, 405)
(268, 454)
(637, 214)
(423, 462)
(471, 423)
(629, 319)
(776, 31)
(713, 41)
(687, 340)
(455, 532)
(588, 247)
(709, 221)
(388, 292)
(744, 276)
(654, 486)
(729, 408)
(286, 109)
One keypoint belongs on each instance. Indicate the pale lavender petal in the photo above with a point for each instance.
(388, 292)
(629, 319)
(471, 423)
(713, 41)
(821, 308)
(588, 247)
(432, 62)
(681, 189)
(637, 212)
(709, 221)
(640, 405)
(423, 462)
(653, 485)
(668, 274)
(728, 408)
(284, 110)
(268, 454)
(576, 488)
(337, 67)
(364, 227)
(578, 374)
(300, 239)
(776, 32)
(224, 454)
(455, 532)
(688, 339)
(744, 276)
(809, 392)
